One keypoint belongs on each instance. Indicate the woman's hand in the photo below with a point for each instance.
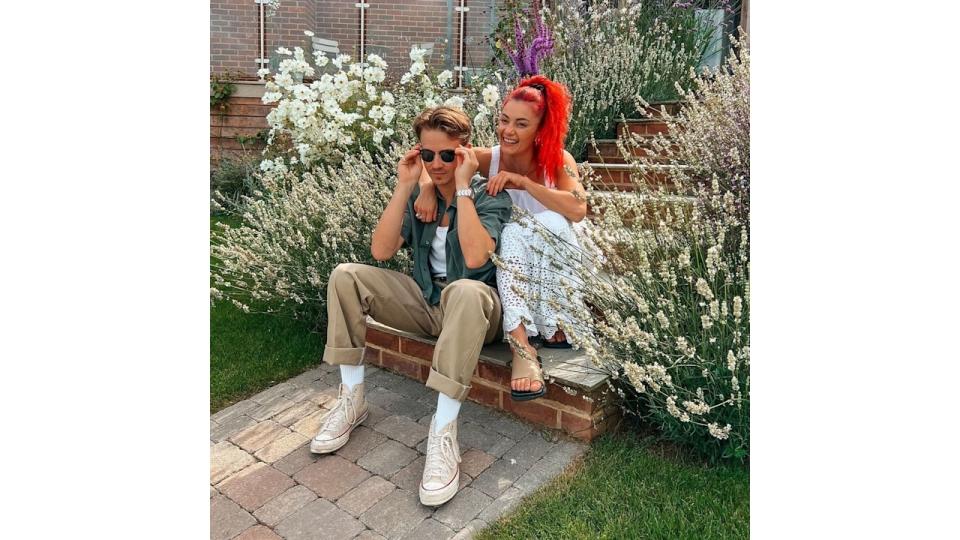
(506, 180)
(426, 204)
(409, 167)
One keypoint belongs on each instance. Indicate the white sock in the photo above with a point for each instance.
(351, 375)
(447, 410)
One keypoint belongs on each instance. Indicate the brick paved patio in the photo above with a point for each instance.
(265, 483)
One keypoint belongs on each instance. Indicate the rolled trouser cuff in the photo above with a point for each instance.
(348, 356)
(446, 385)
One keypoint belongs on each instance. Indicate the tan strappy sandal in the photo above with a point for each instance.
(527, 369)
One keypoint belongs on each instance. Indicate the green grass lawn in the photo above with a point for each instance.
(626, 487)
(250, 352)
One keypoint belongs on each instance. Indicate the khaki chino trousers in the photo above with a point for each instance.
(469, 315)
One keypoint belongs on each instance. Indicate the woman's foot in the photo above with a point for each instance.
(557, 337)
(519, 365)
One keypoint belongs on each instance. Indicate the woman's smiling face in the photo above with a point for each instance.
(517, 126)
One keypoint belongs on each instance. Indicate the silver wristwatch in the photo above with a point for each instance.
(465, 192)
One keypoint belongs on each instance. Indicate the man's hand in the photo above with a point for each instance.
(408, 169)
(506, 180)
(467, 165)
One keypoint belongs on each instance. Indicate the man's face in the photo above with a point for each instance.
(437, 141)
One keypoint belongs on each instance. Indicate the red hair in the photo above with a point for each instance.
(551, 100)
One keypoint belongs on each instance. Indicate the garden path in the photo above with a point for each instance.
(266, 484)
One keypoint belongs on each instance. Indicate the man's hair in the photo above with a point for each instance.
(453, 122)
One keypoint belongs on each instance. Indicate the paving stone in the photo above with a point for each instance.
(296, 413)
(293, 462)
(473, 435)
(230, 427)
(281, 447)
(281, 506)
(331, 476)
(387, 458)
(213, 491)
(470, 530)
(539, 474)
(258, 532)
(429, 528)
(238, 408)
(409, 477)
(362, 440)
(474, 462)
(497, 478)
(507, 501)
(319, 519)
(333, 378)
(307, 377)
(227, 519)
(325, 396)
(463, 507)
(255, 485)
(508, 426)
(270, 407)
(375, 415)
(370, 535)
(481, 414)
(411, 408)
(362, 497)
(309, 426)
(529, 449)
(413, 389)
(273, 392)
(402, 429)
(381, 378)
(565, 451)
(257, 436)
(396, 514)
(226, 459)
(382, 397)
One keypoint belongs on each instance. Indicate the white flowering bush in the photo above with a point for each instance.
(327, 173)
(607, 52)
(667, 299)
(353, 108)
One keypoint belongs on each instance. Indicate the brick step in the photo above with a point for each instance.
(616, 176)
(608, 152)
(672, 107)
(643, 126)
(585, 412)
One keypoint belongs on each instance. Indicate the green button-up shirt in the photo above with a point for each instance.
(494, 212)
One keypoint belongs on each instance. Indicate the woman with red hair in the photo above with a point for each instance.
(541, 178)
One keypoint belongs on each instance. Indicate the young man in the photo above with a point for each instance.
(451, 295)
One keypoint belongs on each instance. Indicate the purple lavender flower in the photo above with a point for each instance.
(527, 60)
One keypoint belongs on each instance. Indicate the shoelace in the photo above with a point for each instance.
(346, 406)
(436, 462)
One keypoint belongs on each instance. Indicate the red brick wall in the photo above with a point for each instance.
(392, 27)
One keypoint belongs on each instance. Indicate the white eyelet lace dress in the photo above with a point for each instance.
(536, 265)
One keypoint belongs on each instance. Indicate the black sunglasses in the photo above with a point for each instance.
(446, 155)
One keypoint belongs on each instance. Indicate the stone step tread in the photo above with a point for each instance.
(568, 367)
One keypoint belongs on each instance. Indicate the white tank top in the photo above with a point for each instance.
(520, 197)
(438, 252)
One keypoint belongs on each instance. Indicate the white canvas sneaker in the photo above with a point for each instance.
(348, 413)
(441, 472)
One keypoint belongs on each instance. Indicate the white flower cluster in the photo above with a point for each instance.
(336, 111)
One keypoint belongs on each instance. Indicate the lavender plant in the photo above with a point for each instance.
(606, 52)
(667, 302)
